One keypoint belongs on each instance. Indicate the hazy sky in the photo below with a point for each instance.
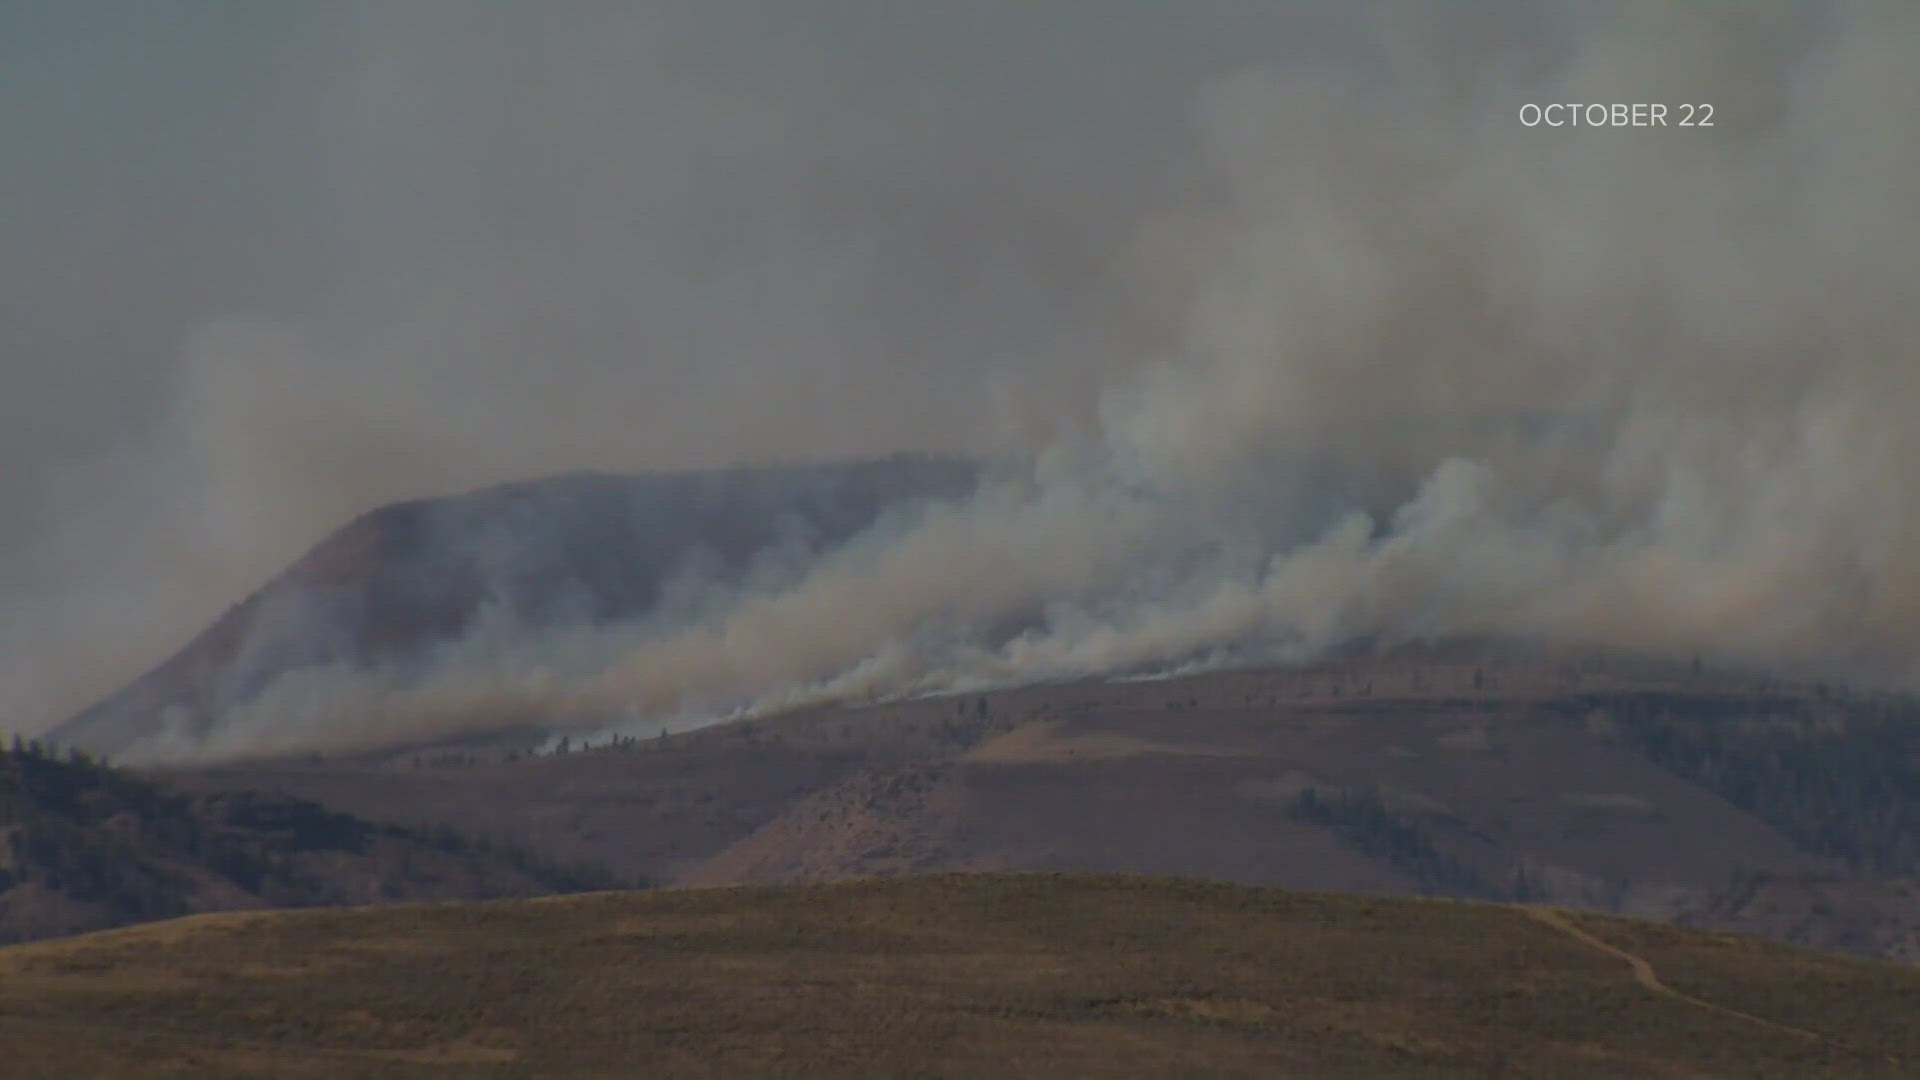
(593, 178)
(265, 265)
(899, 222)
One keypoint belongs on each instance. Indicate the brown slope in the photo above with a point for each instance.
(1543, 787)
(1523, 788)
(1195, 776)
(1139, 816)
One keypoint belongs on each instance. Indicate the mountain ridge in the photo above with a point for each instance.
(574, 550)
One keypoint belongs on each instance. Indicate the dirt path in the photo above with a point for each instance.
(1644, 974)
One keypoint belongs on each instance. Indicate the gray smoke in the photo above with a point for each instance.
(1302, 335)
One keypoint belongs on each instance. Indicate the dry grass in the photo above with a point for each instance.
(950, 975)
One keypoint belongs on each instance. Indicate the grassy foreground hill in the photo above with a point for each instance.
(1003, 975)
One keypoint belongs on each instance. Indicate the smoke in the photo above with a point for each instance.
(1299, 334)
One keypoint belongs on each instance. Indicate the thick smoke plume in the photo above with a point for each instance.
(1285, 328)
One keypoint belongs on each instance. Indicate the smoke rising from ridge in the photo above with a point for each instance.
(1298, 333)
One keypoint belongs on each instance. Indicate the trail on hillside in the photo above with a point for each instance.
(1644, 974)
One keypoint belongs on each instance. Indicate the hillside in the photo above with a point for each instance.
(1709, 799)
(552, 553)
(84, 847)
(947, 976)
